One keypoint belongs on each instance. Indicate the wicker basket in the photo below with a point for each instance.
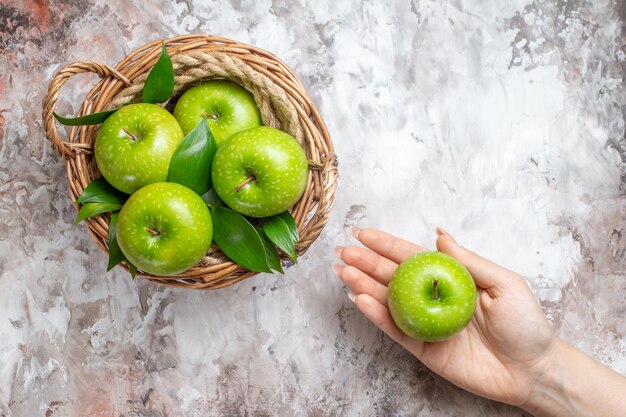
(279, 94)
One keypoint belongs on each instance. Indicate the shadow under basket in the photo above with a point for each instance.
(278, 93)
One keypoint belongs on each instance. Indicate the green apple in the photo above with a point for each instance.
(164, 228)
(260, 172)
(135, 144)
(431, 296)
(228, 108)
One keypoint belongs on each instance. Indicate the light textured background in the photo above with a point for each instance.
(502, 121)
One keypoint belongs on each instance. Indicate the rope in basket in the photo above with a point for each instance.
(282, 101)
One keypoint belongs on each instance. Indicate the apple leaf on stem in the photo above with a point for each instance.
(100, 191)
(159, 85)
(158, 88)
(271, 254)
(93, 209)
(239, 240)
(88, 119)
(133, 270)
(191, 163)
(115, 253)
(282, 230)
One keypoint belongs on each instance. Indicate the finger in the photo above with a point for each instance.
(486, 274)
(386, 244)
(371, 263)
(378, 314)
(361, 283)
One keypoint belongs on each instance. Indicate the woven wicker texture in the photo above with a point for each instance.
(279, 94)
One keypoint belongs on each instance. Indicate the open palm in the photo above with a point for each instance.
(498, 355)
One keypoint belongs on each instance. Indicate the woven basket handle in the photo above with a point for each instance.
(65, 148)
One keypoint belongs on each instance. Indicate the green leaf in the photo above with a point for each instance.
(133, 270)
(238, 239)
(191, 163)
(100, 191)
(159, 85)
(89, 119)
(271, 254)
(115, 253)
(212, 199)
(93, 209)
(283, 232)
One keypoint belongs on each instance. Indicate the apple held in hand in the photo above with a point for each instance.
(260, 172)
(431, 296)
(228, 108)
(164, 228)
(135, 145)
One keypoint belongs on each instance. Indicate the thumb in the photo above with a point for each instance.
(487, 275)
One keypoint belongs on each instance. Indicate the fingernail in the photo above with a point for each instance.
(337, 269)
(338, 250)
(355, 232)
(352, 296)
(441, 232)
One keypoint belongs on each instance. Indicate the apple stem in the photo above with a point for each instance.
(210, 115)
(133, 137)
(436, 289)
(153, 232)
(243, 184)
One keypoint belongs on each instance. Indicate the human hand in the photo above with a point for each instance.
(506, 347)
